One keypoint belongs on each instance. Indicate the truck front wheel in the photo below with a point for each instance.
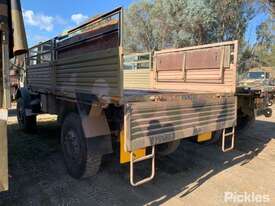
(79, 161)
(26, 123)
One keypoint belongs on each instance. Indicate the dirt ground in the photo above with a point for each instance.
(194, 175)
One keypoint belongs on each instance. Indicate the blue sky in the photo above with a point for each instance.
(45, 19)
(250, 34)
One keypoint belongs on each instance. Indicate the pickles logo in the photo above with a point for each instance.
(246, 197)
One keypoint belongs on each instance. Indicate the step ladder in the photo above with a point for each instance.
(225, 135)
(133, 160)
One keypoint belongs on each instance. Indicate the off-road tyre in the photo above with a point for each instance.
(26, 123)
(79, 161)
(167, 148)
(245, 123)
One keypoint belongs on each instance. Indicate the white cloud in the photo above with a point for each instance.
(40, 38)
(42, 21)
(79, 18)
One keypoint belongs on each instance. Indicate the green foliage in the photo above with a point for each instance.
(157, 24)
(139, 28)
(265, 37)
(262, 53)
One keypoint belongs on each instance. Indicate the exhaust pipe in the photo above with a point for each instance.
(19, 35)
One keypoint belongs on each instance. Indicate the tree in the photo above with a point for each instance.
(139, 28)
(158, 24)
(265, 46)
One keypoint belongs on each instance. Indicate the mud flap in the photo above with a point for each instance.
(97, 131)
(204, 137)
(124, 155)
(3, 150)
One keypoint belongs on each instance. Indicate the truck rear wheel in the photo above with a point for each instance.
(167, 148)
(245, 122)
(79, 161)
(26, 123)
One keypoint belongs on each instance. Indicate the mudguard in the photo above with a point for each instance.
(97, 131)
(25, 95)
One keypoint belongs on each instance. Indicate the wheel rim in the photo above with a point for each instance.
(72, 147)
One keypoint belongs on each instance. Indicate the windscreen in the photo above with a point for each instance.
(256, 75)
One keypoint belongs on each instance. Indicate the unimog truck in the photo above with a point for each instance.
(80, 77)
(256, 89)
(260, 80)
(12, 42)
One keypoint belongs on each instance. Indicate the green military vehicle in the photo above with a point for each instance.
(80, 77)
(259, 84)
(255, 92)
(260, 79)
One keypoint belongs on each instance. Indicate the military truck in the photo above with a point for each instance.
(12, 42)
(255, 92)
(260, 79)
(80, 77)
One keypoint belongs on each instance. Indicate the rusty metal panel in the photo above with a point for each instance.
(152, 123)
(104, 42)
(206, 68)
(203, 58)
(171, 61)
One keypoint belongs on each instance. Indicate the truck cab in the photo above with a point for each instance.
(255, 89)
(257, 80)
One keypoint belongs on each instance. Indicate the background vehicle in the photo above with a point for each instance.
(12, 42)
(260, 79)
(256, 91)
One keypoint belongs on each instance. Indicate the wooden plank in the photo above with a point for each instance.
(228, 43)
(3, 150)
